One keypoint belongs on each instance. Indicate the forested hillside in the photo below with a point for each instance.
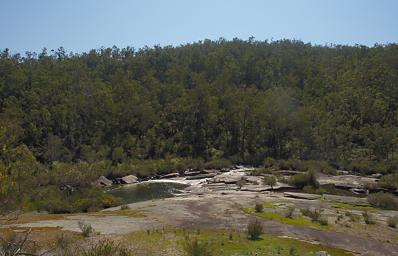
(241, 100)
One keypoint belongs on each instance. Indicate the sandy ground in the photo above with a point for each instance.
(221, 209)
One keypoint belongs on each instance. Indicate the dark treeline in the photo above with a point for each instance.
(243, 100)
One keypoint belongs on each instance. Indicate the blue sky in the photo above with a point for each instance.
(81, 25)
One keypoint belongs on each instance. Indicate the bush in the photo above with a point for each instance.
(305, 179)
(124, 207)
(367, 167)
(259, 207)
(195, 248)
(218, 164)
(86, 229)
(392, 222)
(270, 181)
(314, 214)
(383, 200)
(289, 212)
(255, 229)
(368, 218)
(107, 248)
(389, 181)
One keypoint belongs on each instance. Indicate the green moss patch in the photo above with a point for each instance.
(296, 221)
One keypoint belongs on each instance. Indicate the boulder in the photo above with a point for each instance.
(129, 179)
(302, 195)
(103, 181)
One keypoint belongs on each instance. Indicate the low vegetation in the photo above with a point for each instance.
(86, 229)
(384, 201)
(107, 248)
(194, 247)
(259, 207)
(272, 213)
(255, 229)
(392, 221)
(308, 179)
(368, 217)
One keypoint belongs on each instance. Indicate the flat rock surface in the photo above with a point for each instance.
(346, 181)
(217, 210)
(302, 195)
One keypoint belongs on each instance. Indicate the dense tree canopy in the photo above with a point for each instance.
(243, 100)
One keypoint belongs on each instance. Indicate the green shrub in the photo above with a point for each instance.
(314, 214)
(255, 229)
(289, 212)
(107, 248)
(218, 164)
(305, 179)
(259, 207)
(368, 218)
(392, 222)
(192, 247)
(364, 166)
(270, 181)
(269, 162)
(389, 181)
(383, 200)
(86, 229)
(124, 207)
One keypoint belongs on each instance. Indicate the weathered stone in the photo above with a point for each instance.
(346, 181)
(171, 175)
(228, 179)
(103, 181)
(129, 179)
(255, 188)
(257, 180)
(191, 173)
(201, 176)
(301, 195)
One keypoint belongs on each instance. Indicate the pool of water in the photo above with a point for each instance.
(147, 191)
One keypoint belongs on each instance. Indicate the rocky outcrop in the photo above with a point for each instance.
(347, 181)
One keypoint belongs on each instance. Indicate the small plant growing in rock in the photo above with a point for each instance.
(392, 222)
(192, 247)
(323, 221)
(255, 229)
(106, 248)
(259, 207)
(368, 218)
(86, 229)
(270, 181)
(292, 251)
(289, 212)
(124, 207)
(314, 214)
